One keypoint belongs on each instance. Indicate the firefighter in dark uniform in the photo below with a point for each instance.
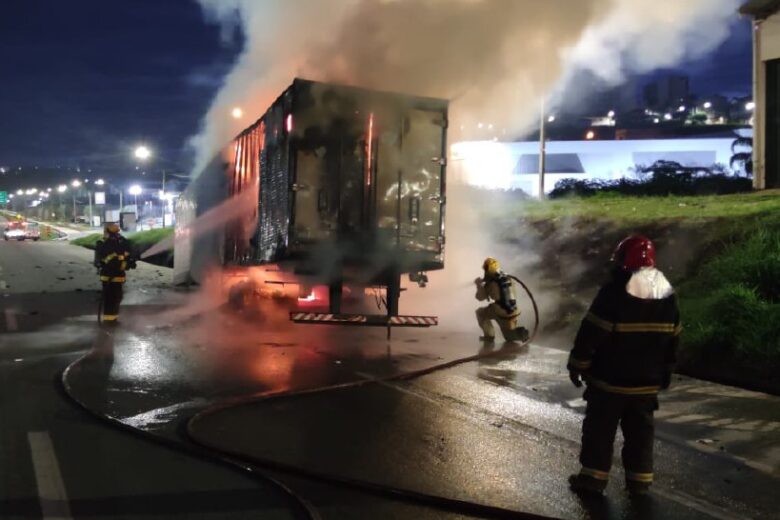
(624, 351)
(499, 288)
(113, 256)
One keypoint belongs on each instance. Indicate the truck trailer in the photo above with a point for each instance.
(344, 186)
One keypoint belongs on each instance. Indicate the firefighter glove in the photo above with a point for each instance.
(576, 377)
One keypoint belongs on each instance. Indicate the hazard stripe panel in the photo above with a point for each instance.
(364, 319)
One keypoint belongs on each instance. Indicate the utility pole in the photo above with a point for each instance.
(74, 206)
(542, 149)
(89, 197)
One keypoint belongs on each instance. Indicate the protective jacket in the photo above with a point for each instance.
(499, 289)
(113, 256)
(627, 342)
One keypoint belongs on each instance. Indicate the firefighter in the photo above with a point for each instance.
(113, 256)
(498, 288)
(624, 351)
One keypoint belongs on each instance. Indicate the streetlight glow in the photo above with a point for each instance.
(19, 192)
(142, 153)
(100, 182)
(668, 117)
(76, 183)
(135, 189)
(611, 114)
(590, 135)
(707, 105)
(237, 113)
(62, 188)
(551, 119)
(750, 105)
(681, 108)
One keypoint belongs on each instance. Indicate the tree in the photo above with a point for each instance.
(742, 154)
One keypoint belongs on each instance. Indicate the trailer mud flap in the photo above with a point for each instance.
(367, 320)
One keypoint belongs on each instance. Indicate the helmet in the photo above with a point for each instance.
(112, 228)
(490, 265)
(634, 253)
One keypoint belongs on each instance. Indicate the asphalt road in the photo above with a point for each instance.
(58, 461)
(503, 431)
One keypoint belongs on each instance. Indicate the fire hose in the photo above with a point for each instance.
(254, 465)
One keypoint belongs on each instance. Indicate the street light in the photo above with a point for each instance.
(100, 182)
(19, 192)
(611, 114)
(76, 183)
(707, 105)
(142, 153)
(237, 113)
(62, 188)
(750, 105)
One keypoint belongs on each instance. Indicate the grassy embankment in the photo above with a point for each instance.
(141, 241)
(730, 289)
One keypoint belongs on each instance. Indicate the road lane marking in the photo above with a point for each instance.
(10, 320)
(51, 488)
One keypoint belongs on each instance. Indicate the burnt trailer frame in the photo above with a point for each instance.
(351, 187)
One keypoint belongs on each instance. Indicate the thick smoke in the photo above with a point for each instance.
(495, 59)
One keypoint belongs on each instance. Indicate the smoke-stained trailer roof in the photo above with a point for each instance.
(760, 9)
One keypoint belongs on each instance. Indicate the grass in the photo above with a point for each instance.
(639, 210)
(141, 240)
(730, 295)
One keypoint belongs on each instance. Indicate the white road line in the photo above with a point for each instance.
(51, 489)
(10, 320)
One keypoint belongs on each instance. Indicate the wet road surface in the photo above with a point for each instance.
(503, 431)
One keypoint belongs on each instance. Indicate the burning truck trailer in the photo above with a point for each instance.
(340, 186)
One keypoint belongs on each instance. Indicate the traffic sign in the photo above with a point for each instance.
(3, 197)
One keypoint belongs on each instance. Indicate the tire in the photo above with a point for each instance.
(36, 239)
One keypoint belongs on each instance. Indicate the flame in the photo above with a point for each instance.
(368, 145)
(310, 298)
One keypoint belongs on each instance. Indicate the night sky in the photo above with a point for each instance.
(83, 81)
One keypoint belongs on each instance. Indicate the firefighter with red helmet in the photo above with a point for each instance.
(113, 256)
(499, 289)
(624, 351)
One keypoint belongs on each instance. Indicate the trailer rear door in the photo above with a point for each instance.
(421, 184)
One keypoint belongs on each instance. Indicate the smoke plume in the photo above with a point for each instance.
(495, 59)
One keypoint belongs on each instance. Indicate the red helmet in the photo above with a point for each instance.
(634, 253)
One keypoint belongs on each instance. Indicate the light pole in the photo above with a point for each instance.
(144, 153)
(542, 150)
(135, 190)
(75, 183)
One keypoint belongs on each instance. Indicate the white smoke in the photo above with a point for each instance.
(495, 59)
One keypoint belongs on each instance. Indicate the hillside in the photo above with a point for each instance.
(721, 252)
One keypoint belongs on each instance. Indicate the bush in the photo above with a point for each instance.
(661, 182)
(731, 306)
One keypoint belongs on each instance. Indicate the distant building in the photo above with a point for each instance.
(502, 165)
(667, 93)
(766, 91)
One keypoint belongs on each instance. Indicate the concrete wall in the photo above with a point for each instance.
(766, 47)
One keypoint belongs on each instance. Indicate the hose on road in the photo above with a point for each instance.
(394, 493)
(301, 507)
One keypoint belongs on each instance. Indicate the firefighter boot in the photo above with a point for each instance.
(521, 334)
(635, 488)
(580, 483)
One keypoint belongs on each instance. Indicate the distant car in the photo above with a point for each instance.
(22, 231)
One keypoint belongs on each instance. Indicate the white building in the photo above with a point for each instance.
(766, 91)
(500, 165)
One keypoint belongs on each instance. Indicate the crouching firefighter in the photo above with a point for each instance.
(113, 256)
(498, 288)
(624, 351)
